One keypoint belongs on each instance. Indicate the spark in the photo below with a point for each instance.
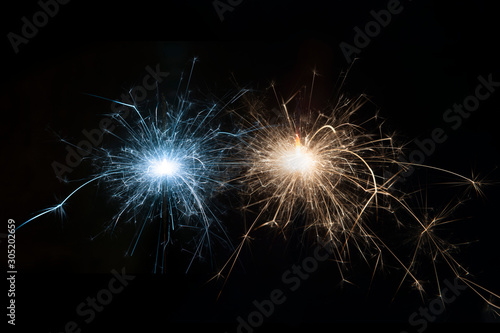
(163, 166)
(298, 159)
(324, 172)
(317, 171)
(333, 175)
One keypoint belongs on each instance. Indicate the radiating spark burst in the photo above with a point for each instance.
(334, 178)
(319, 170)
(168, 166)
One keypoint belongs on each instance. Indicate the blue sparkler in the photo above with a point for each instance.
(167, 167)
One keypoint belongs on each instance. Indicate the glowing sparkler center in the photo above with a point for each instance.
(299, 159)
(165, 167)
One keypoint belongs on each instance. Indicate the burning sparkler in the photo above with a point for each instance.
(335, 178)
(325, 173)
(168, 166)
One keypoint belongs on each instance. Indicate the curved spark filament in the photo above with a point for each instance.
(162, 168)
(336, 182)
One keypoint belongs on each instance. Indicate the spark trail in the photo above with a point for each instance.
(166, 166)
(329, 175)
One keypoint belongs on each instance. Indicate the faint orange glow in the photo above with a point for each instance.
(297, 141)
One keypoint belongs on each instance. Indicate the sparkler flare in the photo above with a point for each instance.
(335, 178)
(325, 177)
(298, 159)
(164, 167)
(167, 167)
(325, 173)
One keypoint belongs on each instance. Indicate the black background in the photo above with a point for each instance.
(428, 58)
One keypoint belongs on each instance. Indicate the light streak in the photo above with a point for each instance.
(330, 175)
(166, 165)
(325, 173)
